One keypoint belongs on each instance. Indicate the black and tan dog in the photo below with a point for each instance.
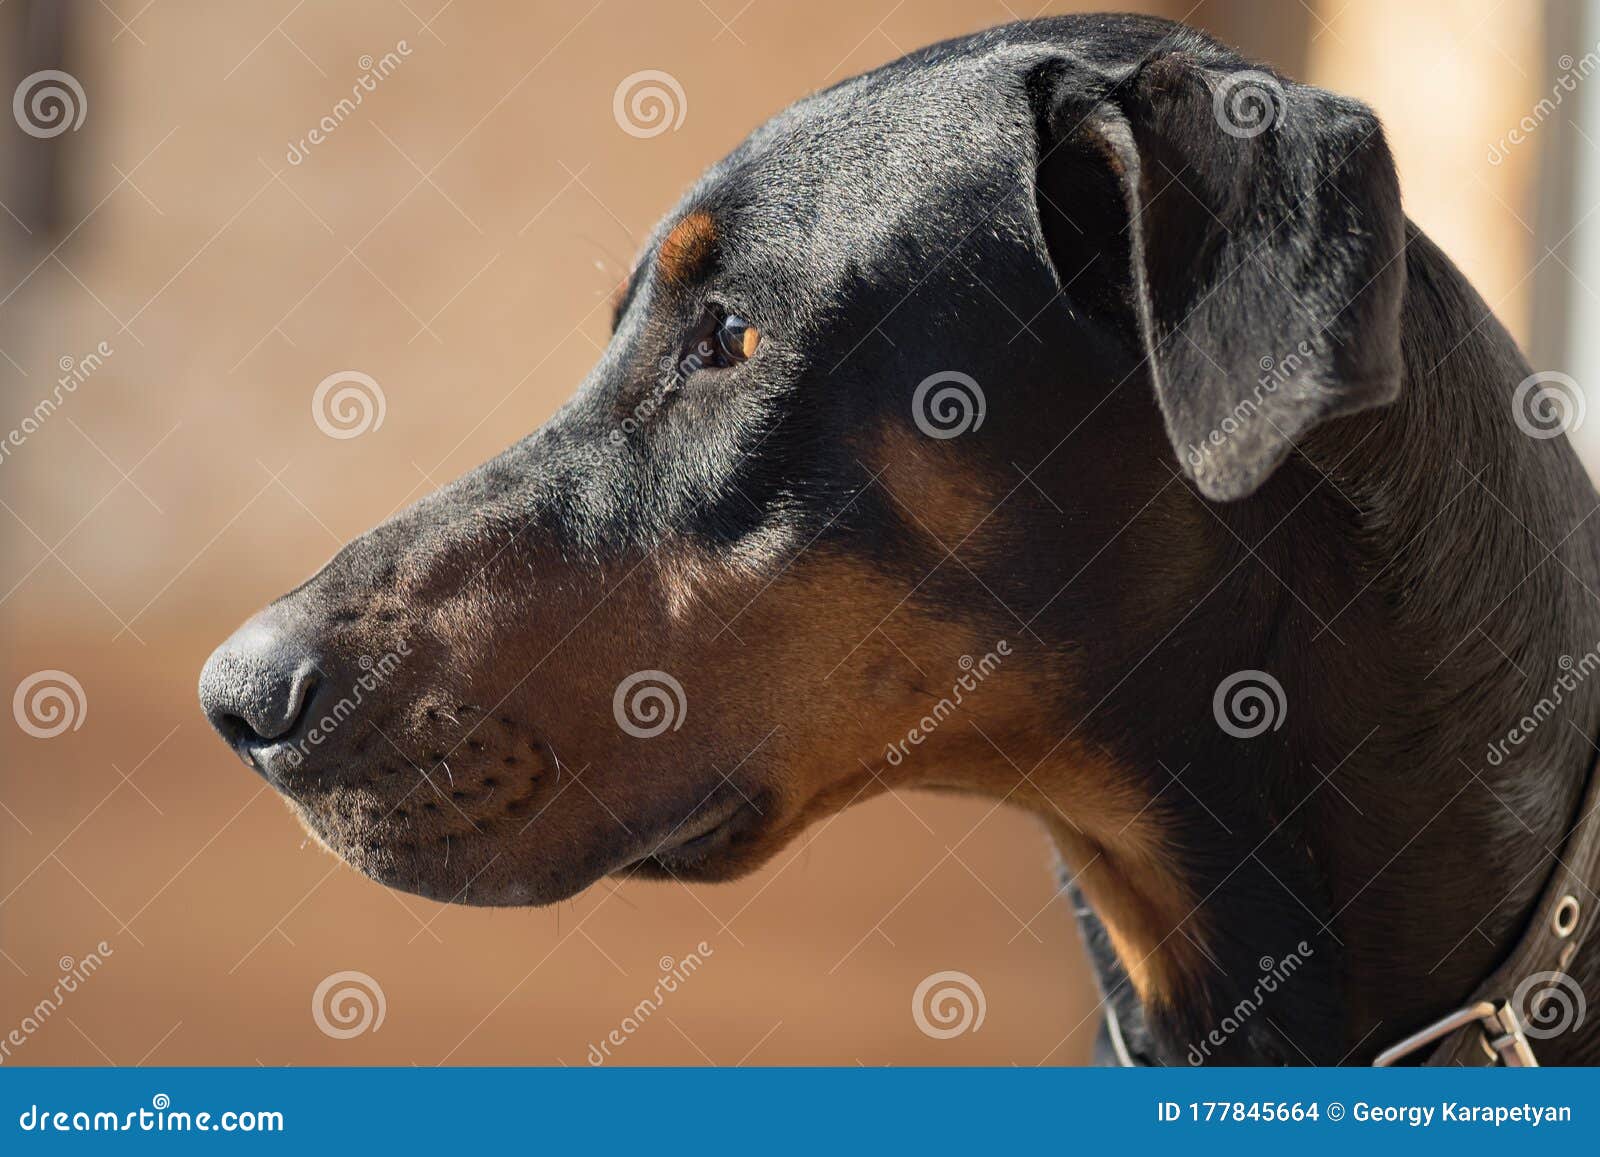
(1080, 335)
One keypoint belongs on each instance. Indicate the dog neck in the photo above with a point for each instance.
(1421, 583)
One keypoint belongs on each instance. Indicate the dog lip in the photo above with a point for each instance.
(704, 838)
(698, 840)
(263, 757)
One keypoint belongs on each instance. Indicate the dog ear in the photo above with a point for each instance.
(1247, 228)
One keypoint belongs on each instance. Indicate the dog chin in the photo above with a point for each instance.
(455, 868)
(476, 869)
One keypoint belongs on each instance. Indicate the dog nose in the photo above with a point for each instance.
(255, 688)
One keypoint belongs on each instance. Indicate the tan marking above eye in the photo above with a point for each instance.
(752, 339)
(687, 247)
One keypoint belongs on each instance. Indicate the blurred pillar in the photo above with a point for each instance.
(30, 179)
(1451, 80)
(1567, 287)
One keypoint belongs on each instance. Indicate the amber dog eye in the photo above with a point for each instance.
(737, 340)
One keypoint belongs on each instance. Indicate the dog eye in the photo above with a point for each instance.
(737, 340)
(720, 341)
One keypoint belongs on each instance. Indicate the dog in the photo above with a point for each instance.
(1080, 345)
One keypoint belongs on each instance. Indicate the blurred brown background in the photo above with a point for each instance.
(456, 237)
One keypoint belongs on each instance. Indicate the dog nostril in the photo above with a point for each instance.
(235, 730)
(257, 687)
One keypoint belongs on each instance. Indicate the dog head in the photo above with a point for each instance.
(842, 506)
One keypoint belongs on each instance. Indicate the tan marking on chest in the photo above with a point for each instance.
(1118, 848)
(1123, 861)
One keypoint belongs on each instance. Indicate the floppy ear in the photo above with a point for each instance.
(1247, 228)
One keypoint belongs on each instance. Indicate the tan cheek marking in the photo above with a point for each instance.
(1116, 843)
(930, 492)
(751, 342)
(828, 646)
(684, 575)
(687, 247)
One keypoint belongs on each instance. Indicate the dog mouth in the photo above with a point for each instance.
(700, 840)
(271, 759)
(485, 840)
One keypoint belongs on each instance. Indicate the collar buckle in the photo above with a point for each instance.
(1503, 1038)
